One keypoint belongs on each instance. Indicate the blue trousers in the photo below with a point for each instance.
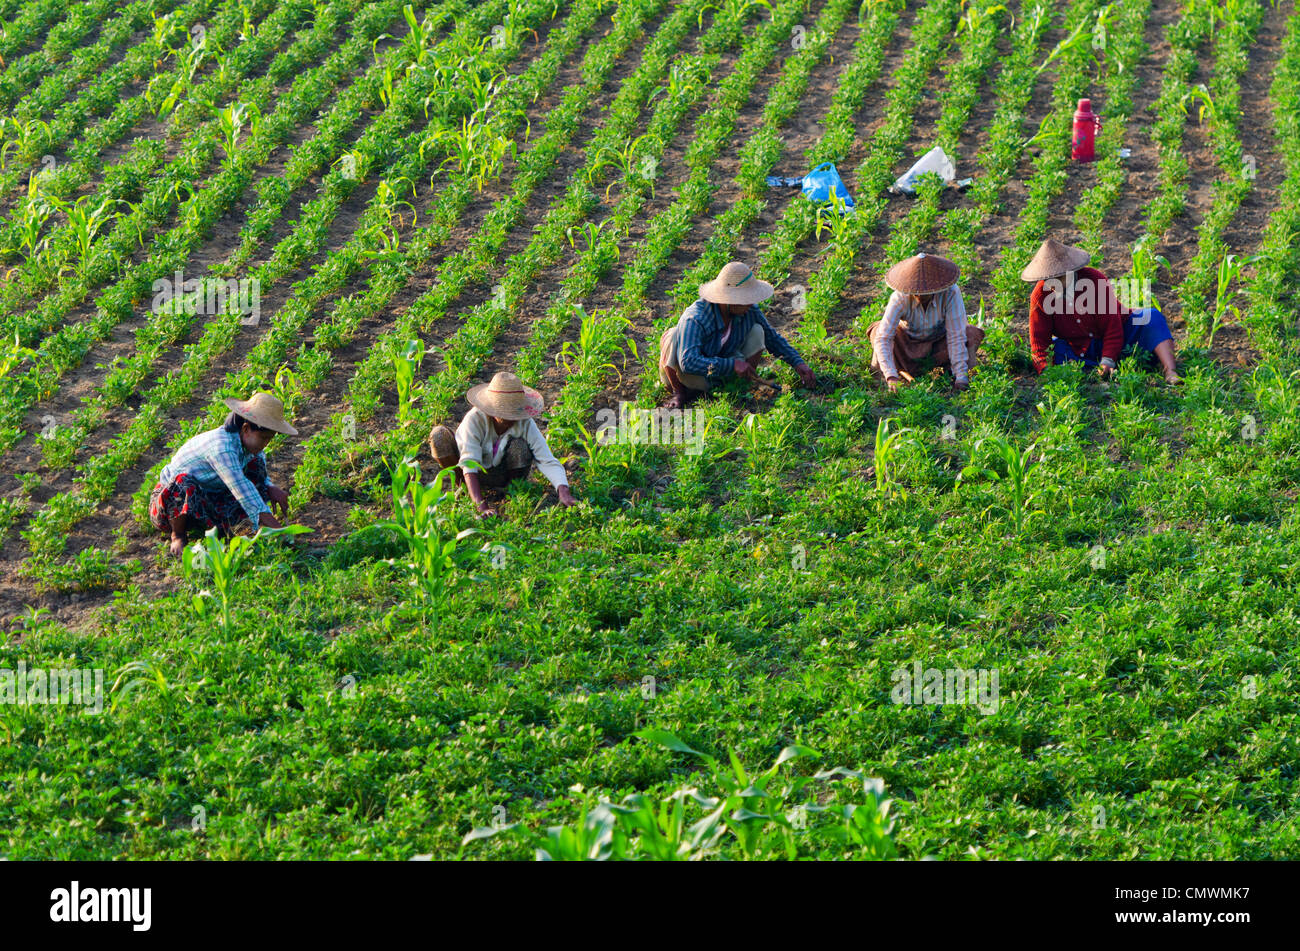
(1144, 329)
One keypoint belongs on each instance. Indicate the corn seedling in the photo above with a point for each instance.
(1230, 269)
(232, 121)
(405, 364)
(835, 218)
(213, 559)
(1200, 94)
(888, 446)
(624, 159)
(12, 354)
(734, 10)
(85, 221)
(596, 334)
(1018, 465)
(1146, 264)
(432, 560)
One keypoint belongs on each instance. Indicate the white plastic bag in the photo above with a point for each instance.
(937, 161)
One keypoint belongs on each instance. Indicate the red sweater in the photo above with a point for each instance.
(1090, 310)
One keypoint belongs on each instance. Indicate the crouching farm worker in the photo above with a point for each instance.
(722, 334)
(218, 479)
(1076, 315)
(925, 317)
(498, 441)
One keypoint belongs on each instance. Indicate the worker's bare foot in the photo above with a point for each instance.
(177, 546)
(681, 399)
(1172, 377)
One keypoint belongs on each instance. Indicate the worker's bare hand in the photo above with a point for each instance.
(893, 383)
(806, 375)
(278, 499)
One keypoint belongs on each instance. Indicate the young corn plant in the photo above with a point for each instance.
(86, 219)
(1146, 264)
(888, 446)
(596, 335)
(1018, 465)
(1230, 269)
(626, 160)
(835, 218)
(762, 440)
(232, 121)
(221, 560)
(432, 564)
(12, 353)
(405, 364)
(755, 816)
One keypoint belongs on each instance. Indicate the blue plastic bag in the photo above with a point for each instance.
(823, 181)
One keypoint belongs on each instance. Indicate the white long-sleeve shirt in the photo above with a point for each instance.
(947, 311)
(478, 441)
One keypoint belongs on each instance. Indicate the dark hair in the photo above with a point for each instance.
(234, 423)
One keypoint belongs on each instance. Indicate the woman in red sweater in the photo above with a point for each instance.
(1075, 313)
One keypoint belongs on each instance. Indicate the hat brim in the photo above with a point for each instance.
(275, 425)
(751, 292)
(479, 397)
(904, 277)
(1071, 260)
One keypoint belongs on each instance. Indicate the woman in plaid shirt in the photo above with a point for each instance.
(218, 479)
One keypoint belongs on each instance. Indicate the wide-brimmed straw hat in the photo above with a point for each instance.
(736, 284)
(506, 398)
(264, 410)
(1053, 260)
(922, 274)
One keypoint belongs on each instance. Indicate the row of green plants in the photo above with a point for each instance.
(29, 24)
(170, 250)
(390, 272)
(602, 334)
(1186, 38)
(1214, 269)
(127, 376)
(690, 78)
(760, 154)
(47, 531)
(181, 384)
(73, 242)
(932, 36)
(1076, 70)
(462, 269)
(1269, 317)
(1124, 37)
(978, 31)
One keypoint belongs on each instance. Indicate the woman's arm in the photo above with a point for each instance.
(1040, 329)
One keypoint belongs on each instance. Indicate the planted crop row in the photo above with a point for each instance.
(1186, 37)
(997, 161)
(101, 473)
(85, 231)
(459, 270)
(1125, 46)
(1077, 63)
(931, 36)
(715, 130)
(126, 376)
(170, 250)
(32, 23)
(32, 138)
(979, 33)
(1232, 44)
(1271, 290)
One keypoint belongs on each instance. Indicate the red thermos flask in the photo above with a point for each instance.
(1086, 124)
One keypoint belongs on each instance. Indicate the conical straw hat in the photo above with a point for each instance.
(1054, 259)
(922, 274)
(736, 284)
(264, 410)
(506, 398)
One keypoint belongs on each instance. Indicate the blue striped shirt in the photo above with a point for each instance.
(699, 340)
(216, 459)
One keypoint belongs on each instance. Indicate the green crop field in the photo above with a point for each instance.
(1050, 616)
